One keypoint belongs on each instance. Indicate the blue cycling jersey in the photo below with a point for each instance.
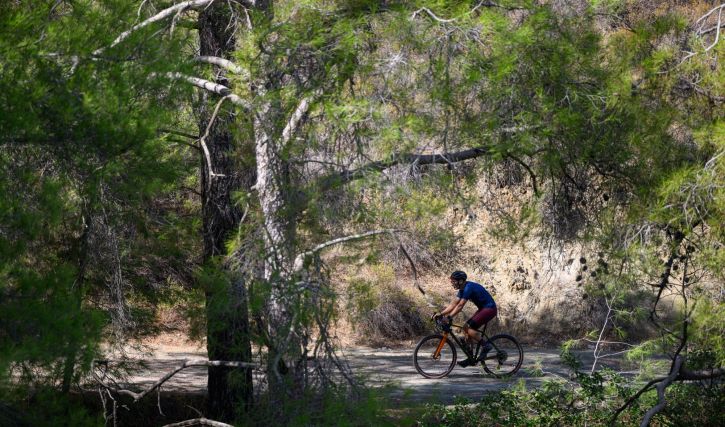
(476, 293)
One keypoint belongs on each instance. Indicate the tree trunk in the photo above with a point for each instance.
(230, 389)
(273, 190)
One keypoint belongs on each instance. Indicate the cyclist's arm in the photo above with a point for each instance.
(454, 307)
(459, 306)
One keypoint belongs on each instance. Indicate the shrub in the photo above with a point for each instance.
(590, 400)
(380, 311)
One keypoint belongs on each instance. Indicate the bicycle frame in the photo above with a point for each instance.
(447, 330)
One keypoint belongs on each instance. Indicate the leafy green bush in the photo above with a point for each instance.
(589, 400)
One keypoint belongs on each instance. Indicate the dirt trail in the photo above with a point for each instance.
(380, 367)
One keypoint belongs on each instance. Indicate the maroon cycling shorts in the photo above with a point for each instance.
(481, 317)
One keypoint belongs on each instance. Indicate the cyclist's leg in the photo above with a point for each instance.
(472, 334)
(470, 343)
(480, 318)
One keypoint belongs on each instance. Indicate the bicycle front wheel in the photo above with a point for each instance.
(432, 363)
(504, 357)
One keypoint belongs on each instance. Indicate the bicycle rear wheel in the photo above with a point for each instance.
(427, 363)
(505, 356)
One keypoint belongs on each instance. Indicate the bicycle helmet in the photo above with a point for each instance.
(459, 275)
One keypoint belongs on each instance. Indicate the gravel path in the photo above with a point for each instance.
(380, 367)
(387, 366)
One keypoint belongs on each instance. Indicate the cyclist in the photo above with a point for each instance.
(484, 302)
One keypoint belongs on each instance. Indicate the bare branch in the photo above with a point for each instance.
(601, 335)
(415, 271)
(420, 159)
(199, 422)
(221, 62)
(717, 27)
(702, 31)
(212, 87)
(480, 4)
(431, 14)
(532, 175)
(202, 140)
(300, 259)
(179, 133)
(164, 14)
(187, 364)
(294, 121)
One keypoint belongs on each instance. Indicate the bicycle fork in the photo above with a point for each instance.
(437, 353)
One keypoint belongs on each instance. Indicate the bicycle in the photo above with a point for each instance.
(435, 355)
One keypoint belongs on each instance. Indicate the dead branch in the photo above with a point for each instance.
(179, 133)
(704, 18)
(211, 87)
(532, 175)
(448, 21)
(172, 11)
(300, 259)
(431, 14)
(221, 62)
(199, 422)
(702, 31)
(596, 351)
(294, 121)
(202, 140)
(415, 271)
(187, 364)
(396, 159)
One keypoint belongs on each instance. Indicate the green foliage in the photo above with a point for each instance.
(708, 335)
(590, 400)
(341, 407)
(46, 407)
(80, 170)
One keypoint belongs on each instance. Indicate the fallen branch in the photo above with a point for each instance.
(702, 31)
(199, 422)
(187, 364)
(448, 21)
